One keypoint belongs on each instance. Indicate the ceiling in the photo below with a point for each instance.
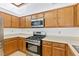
(18, 4)
(29, 8)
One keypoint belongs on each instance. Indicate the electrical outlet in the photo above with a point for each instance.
(59, 32)
(12, 30)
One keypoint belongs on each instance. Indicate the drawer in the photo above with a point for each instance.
(60, 45)
(46, 43)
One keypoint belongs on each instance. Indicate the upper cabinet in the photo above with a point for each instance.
(51, 18)
(22, 22)
(28, 21)
(25, 22)
(39, 15)
(6, 20)
(62, 17)
(15, 22)
(66, 17)
(77, 21)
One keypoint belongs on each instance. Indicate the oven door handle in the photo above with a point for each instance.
(36, 44)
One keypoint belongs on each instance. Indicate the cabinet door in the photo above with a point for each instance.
(10, 47)
(6, 20)
(69, 52)
(28, 21)
(77, 21)
(58, 51)
(66, 17)
(37, 16)
(34, 16)
(46, 50)
(51, 19)
(15, 22)
(24, 45)
(21, 44)
(40, 15)
(23, 22)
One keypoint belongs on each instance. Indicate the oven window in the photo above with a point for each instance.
(32, 48)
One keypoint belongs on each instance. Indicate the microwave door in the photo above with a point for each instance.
(37, 23)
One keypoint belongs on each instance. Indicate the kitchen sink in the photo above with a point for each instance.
(76, 47)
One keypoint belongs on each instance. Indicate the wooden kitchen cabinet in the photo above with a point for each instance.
(24, 45)
(51, 19)
(14, 44)
(6, 20)
(10, 46)
(66, 16)
(28, 21)
(37, 16)
(53, 49)
(15, 22)
(69, 52)
(46, 48)
(21, 44)
(77, 20)
(22, 22)
(59, 49)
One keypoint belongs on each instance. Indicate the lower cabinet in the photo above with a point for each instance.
(46, 50)
(14, 44)
(54, 49)
(10, 46)
(58, 51)
(21, 44)
(69, 52)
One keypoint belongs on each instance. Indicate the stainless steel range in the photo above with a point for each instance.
(33, 43)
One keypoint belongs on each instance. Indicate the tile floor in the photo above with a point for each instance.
(18, 53)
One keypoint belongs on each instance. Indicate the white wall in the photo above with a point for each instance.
(49, 31)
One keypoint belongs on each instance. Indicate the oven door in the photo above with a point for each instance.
(33, 48)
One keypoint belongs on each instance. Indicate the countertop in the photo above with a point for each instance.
(63, 39)
(17, 35)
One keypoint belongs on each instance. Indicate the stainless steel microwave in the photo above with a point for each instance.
(37, 23)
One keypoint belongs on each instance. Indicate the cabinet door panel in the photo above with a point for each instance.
(24, 45)
(51, 19)
(69, 52)
(37, 16)
(21, 44)
(58, 51)
(15, 22)
(10, 47)
(40, 15)
(28, 21)
(34, 16)
(6, 20)
(23, 22)
(77, 21)
(66, 17)
(46, 50)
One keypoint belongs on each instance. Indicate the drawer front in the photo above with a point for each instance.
(60, 45)
(46, 43)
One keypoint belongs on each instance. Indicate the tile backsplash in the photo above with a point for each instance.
(49, 31)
